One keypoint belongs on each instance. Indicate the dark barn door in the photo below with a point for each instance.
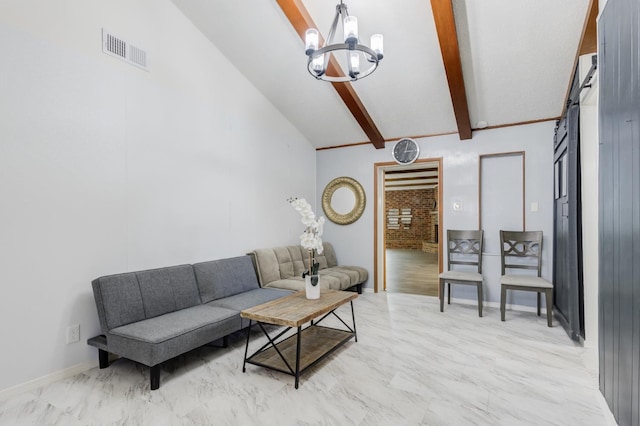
(567, 265)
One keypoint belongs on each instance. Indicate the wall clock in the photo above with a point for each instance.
(406, 151)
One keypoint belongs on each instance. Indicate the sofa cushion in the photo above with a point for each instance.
(225, 277)
(363, 274)
(295, 284)
(118, 300)
(168, 326)
(167, 289)
(336, 280)
(296, 253)
(285, 263)
(154, 340)
(249, 299)
(345, 277)
(320, 259)
(267, 265)
(330, 255)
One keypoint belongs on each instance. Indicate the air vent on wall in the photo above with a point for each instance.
(116, 46)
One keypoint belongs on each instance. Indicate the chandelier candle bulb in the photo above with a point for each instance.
(350, 29)
(355, 62)
(376, 45)
(311, 37)
(318, 64)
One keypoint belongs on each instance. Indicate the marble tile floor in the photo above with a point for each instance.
(412, 365)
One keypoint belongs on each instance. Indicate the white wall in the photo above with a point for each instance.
(105, 168)
(354, 243)
(589, 151)
(602, 4)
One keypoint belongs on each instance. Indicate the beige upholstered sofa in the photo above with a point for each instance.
(282, 267)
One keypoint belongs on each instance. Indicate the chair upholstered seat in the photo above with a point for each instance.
(461, 276)
(525, 281)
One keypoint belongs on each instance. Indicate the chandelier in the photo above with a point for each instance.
(318, 58)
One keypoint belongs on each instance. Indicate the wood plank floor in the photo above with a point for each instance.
(412, 271)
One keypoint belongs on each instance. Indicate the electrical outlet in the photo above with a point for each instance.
(73, 333)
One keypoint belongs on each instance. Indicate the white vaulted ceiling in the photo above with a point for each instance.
(517, 58)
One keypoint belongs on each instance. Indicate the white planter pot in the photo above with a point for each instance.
(313, 291)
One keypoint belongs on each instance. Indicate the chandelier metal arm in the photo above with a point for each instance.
(371, 57)
(334, 25)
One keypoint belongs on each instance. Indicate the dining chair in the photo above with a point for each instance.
(463, 248)
(523, 250)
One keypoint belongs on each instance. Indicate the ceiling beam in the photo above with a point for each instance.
(588, 44)
(412, 188)
(448, 38)
(589, 41)
(411, 182)
(404, 176)
(300, 19)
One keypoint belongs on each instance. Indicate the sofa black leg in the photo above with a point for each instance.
(225, 342)
(359, 288)
(155, 377)
(103, 358)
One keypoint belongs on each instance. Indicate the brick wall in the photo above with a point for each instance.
(421, 202)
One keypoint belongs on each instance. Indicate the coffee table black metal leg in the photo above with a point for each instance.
(353, 317)
(298, 356)
(246, 348)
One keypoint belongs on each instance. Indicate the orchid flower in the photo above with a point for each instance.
(310, 238)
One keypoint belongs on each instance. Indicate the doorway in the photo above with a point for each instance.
(408, 235)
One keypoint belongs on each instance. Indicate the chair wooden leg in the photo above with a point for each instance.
(549, 294)
(480, 299)
(449, 293)
(538, 294)
(503, 301)
(441, 294)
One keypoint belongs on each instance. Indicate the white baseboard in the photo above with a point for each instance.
(521, 308)
(45, 380)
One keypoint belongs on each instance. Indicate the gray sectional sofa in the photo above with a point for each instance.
(282, 267)
(152, 316)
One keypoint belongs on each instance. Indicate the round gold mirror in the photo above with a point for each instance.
(343, 200)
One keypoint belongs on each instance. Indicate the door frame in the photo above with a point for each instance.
(379, 234)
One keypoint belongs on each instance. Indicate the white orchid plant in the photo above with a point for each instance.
(310, 238)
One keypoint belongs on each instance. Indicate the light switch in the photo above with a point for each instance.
(534, 206)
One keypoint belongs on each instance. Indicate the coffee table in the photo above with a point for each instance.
(296, 353)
